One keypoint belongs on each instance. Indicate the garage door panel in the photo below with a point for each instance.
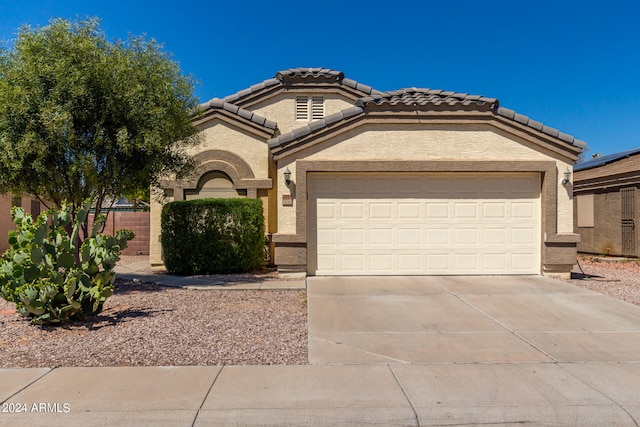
(527, 186)
(523, 236)
(408, 210)
(522, 262)
(494, 236)
(437, 210)
(425, 224)
(352, 186)
(352, 211)
(409, 263)
(327, 236)
(465, 210)
(466, 263)
(324, 186)
(380, 236)
(409, 187)
(326, 210)
(328, 262)
(495, 187)
(352, 237)
(380, 186)
(351, 262)
(494, 211)
(438, 262)
(466, 236)
(523, 210)
(381, 263)
(438, 236)
(409, 236)
(380, 210)
(496, 262)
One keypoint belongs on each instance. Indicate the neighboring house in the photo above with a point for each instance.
(8, 201)
(122, 215)
(409, 182)
(607, 204)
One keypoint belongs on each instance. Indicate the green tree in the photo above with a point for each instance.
(82, 117)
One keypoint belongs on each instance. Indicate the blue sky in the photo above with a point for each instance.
(572, 65)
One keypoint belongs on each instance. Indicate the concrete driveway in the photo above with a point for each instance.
(494, 319)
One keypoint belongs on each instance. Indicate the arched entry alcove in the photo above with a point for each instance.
(215, 184)
(218, 171)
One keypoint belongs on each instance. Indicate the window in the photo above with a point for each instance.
(309, 108)
(585, 210)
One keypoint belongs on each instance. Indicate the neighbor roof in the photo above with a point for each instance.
(603, 160)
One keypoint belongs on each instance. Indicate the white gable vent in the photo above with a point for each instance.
(308, 109)
(302, 108)
(317, 108)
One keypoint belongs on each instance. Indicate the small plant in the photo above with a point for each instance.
(47, 276)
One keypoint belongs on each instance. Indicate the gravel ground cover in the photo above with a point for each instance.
(144, 324)
(617, 278)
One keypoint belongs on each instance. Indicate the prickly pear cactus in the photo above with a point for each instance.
(48, 279)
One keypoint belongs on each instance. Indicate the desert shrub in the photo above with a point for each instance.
(48, 278)
(212, 235)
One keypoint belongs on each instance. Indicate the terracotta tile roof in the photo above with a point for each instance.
(510, 114)
(219, 104)
(324, 74)
(414, 98)
(603, 160)
(327, 121)
(310, 72)
(291, 75)
(255, 88)
(429, 97)
(445, 100)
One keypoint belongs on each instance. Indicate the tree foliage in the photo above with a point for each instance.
(84, 117)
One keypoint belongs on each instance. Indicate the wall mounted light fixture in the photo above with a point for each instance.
(567, 177)
(287, 176)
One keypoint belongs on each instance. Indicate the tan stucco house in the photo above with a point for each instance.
(607, 204)
(355, 181)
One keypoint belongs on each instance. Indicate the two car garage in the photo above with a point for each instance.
(424, 223)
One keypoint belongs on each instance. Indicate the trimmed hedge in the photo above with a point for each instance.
(207, 236)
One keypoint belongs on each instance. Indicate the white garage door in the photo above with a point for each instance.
(403, 224)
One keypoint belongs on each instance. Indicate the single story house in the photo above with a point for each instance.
(607, 204)
(355, 181)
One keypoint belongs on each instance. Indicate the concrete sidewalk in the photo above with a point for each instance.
(573, 394)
